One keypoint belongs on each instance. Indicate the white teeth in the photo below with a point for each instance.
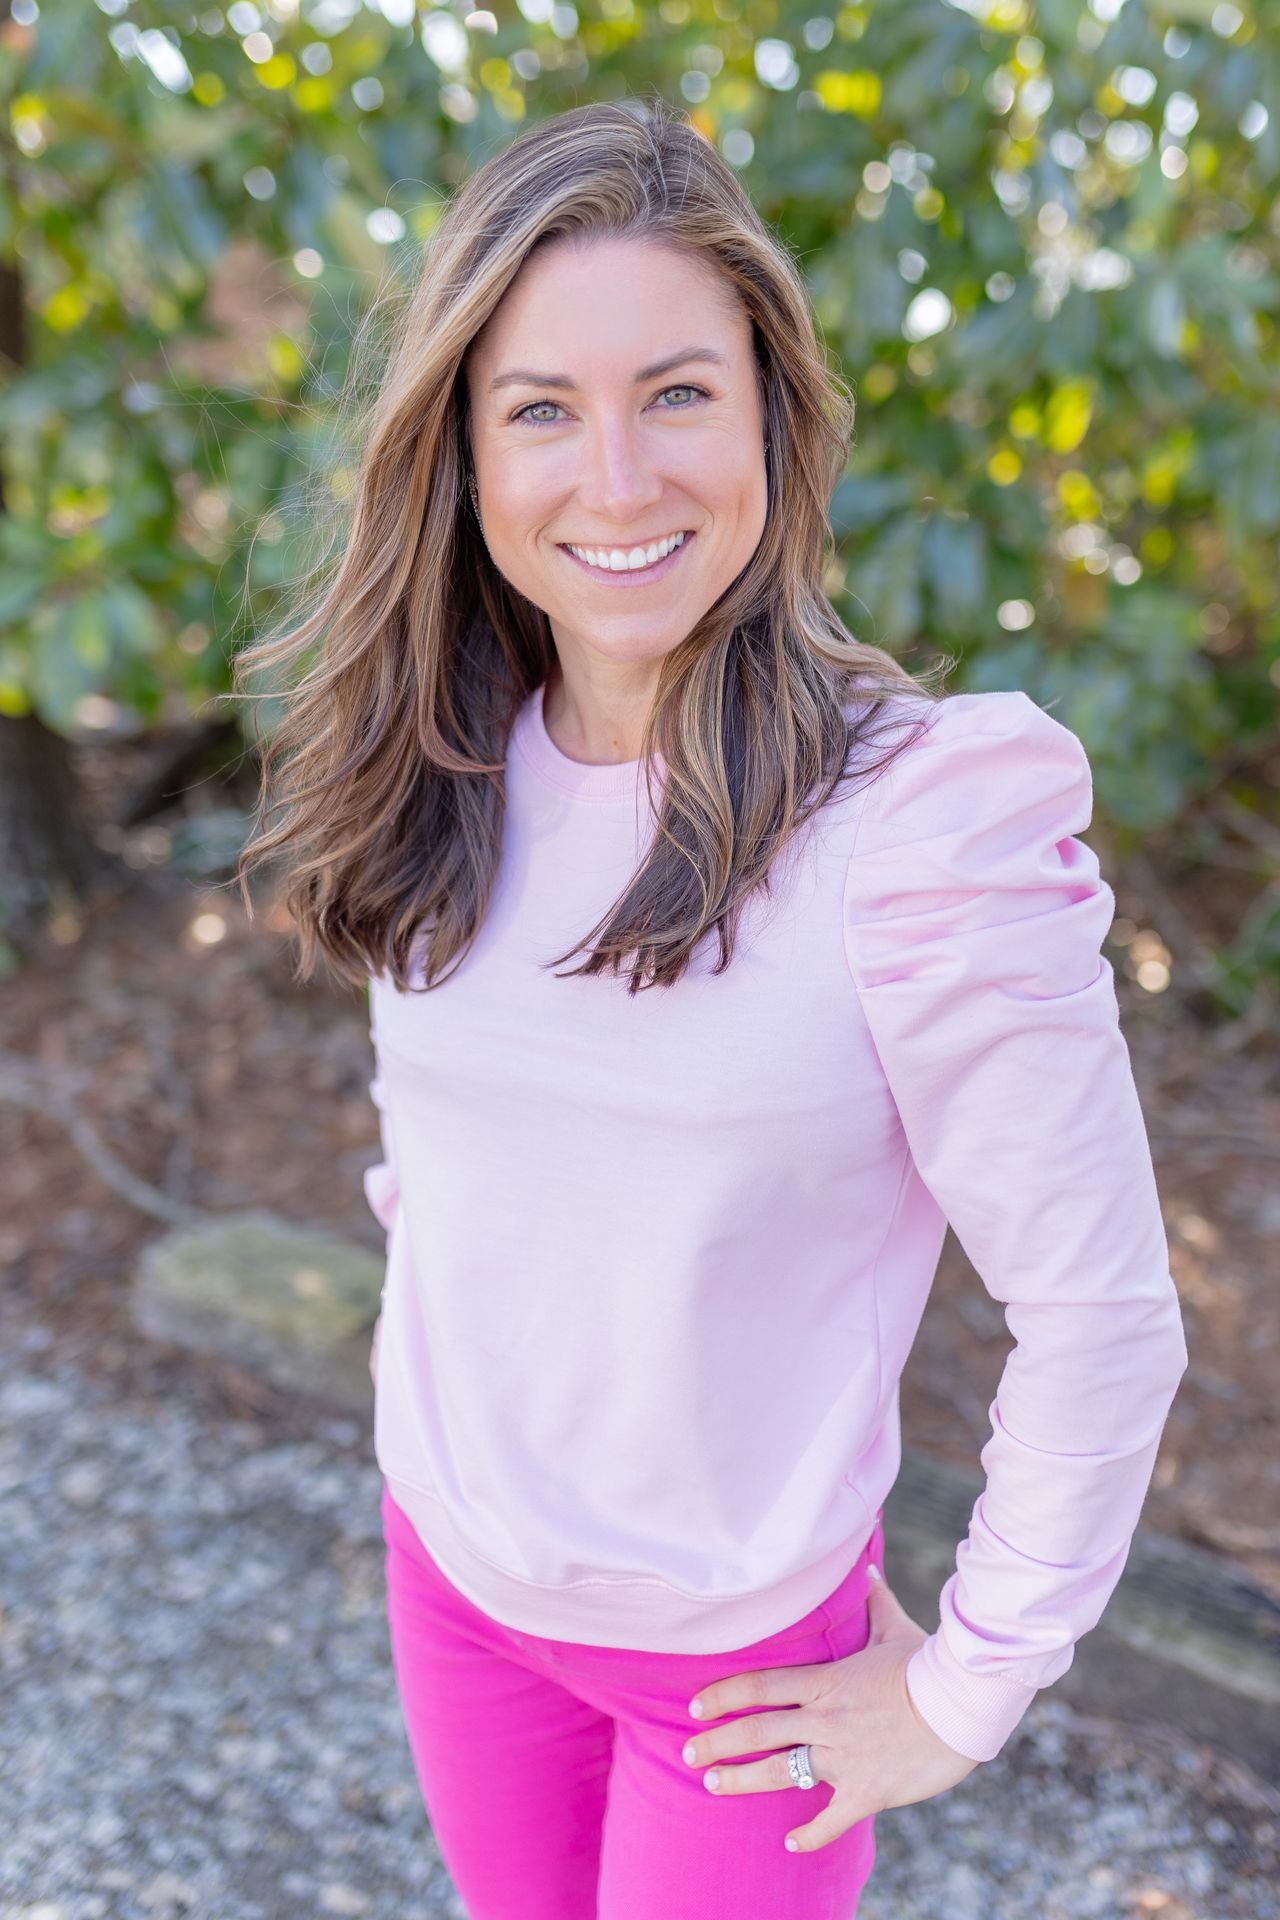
(620, 560)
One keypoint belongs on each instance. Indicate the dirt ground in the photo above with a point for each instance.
(164, 1027)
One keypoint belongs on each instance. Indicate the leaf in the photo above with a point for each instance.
(953, 553)
(886, 576)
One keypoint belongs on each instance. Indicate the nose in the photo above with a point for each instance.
(621, 478)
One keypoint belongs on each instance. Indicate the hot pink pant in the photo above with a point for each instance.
(551, 1771)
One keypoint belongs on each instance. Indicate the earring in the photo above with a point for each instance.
(475, 498)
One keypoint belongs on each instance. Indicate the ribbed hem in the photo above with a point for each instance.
(621, 1611)
(974, 1714)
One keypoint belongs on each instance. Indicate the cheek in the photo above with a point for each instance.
(740, 490)
(516, 518)
(514, 498)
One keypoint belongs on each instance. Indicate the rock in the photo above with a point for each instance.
(294, 1304)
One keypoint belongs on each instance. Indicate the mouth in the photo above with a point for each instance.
(628, 576)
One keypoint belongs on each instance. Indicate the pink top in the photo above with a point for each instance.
(655, 1263)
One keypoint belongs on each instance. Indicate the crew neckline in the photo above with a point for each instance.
(585, 780)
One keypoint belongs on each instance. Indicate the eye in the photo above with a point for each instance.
(528, 408)
(522, 411)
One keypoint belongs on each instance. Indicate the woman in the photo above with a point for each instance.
(661, 1226)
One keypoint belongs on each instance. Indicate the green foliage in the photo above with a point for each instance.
(1041, 244)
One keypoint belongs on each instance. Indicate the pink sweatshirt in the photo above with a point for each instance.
(655, 1263)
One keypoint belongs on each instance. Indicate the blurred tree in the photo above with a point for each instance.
(1041, 243)
(45, 853)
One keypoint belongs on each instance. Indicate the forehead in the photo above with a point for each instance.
(607, 307)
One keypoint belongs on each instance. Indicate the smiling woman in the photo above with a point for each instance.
(661, 1226)
(606, 348)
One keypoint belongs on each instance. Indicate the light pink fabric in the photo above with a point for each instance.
(656, 1261)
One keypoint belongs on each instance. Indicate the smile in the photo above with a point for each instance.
(617, 566)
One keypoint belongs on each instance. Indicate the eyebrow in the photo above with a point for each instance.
(524, 376)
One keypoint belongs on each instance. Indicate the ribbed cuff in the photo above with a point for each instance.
(975, 1715)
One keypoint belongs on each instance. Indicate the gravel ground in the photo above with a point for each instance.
(199, 1716)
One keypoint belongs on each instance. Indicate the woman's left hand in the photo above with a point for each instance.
(864, 1733)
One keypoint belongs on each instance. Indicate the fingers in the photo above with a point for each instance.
(771, 1775)
(764, 1687)
(753, 1733)
(820, 1832)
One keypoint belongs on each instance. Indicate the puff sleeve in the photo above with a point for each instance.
(973, 925)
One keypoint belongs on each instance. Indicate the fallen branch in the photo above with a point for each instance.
(26, 1086)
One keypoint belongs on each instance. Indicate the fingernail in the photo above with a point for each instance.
(695, 1708)
(712, 1779)
(873, 1572)
(792, 1844)
(690, 1753)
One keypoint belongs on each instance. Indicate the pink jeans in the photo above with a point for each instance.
(552, 1774)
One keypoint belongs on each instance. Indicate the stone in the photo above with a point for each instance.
(296, 1305)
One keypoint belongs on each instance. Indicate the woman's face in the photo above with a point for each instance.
(614, 402)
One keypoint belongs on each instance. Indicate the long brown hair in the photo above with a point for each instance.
(389, 757)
